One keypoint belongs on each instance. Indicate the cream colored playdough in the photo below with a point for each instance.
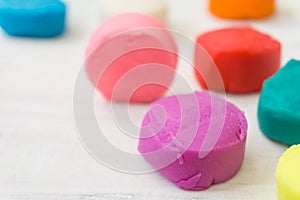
(156, 8)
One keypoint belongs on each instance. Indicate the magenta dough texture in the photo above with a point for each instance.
(194, 140)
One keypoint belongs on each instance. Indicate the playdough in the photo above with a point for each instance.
(242, 9)
(279, 105)
(156, 8)
(194, 140)
(32, 18)
(131, 57)
(288, 175)
(243, 56)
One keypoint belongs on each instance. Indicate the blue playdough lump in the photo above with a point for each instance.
(279, 105)
(33, 18)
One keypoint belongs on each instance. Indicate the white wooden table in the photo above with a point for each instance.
(41, 156)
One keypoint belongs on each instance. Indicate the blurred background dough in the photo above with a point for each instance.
(156, 8)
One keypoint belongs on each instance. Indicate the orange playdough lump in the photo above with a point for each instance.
(242, 9)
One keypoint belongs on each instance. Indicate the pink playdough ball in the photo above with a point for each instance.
(131, 57)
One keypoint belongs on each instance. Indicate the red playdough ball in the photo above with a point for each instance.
(131, 57)
(243, 56)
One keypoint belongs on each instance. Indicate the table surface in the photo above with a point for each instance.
(41, 156)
